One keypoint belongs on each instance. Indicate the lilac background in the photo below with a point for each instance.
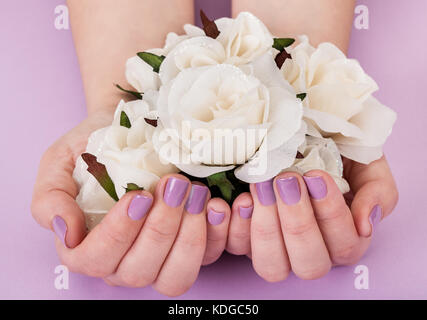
(43, 98)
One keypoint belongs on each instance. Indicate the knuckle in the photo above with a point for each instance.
(96, 270)
(173, 289)
(238, 249)
(299, 229)
(239, 236)
(115, 235)
(345, 255)
(314, 272)
(330, 215)
(265, 232)
(274, 275)
(135, 280)
(210, 257)
(195, 241)
(160, 232)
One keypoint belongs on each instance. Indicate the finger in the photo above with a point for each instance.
(53, 205)
(238, 241)
(141, 264)
(218, 220)
(100, 252)
(182, 265)
(333, 217)
(375, 194)
(268, 252)
(304, 243)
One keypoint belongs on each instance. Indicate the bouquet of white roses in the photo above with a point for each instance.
(231, 104)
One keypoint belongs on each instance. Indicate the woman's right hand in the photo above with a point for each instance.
(158, 239)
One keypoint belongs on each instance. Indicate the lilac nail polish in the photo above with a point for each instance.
(246, 213)
(175, 192)
(139, 207)
(265, 192)
(60, 228)
(316, 187)
(197, 198)
(289, 190)
(375, 215)
(215, 218)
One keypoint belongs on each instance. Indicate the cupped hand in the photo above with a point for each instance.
(158, 239)
(305, 224)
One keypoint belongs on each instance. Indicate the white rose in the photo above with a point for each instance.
(244, 38)
(321, 154)
(240, 41)
(339, 100)
(128, 155)
(140, 75)
(205, 110)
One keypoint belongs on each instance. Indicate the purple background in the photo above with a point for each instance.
(43, 98)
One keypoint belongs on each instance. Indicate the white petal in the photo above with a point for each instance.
(140, 75)
(203, 171)
(361, 154)
(329, 123)
(376, 121)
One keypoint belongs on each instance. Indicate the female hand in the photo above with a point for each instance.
(158, 239)
(304, 224)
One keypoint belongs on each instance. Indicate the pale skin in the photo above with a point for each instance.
(167, 247)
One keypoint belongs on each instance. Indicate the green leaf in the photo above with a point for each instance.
(221, 181)
(99, 171)
(137, 95)
(301, 96)
(281, 43)
(132, 187)
(209, 26)
(124, 120)
(152, 59)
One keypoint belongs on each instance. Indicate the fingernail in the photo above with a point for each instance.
(197, 198)
(375, 215)
(139, 207)
(60, 228)
(265, 192)
(215, 218)
(289, 190)
(316, 187)
(175, 192)
(246, 213)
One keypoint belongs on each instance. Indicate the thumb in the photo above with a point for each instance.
(53, 205)
(375, 196)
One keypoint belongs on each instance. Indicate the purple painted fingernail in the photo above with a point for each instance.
(139, 207)
(215, 218)
(265, 192)
(375, 215)
(316, 187)
(175, 192)
(60, 228)
(196, 199)
(289, 190)
(246, 213)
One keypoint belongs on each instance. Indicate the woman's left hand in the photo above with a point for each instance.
(305, 224)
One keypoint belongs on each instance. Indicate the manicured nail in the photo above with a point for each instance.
(316, 187)
(265, 192)
(139, 207)
(215, 218)
(60, 228)
(196, 199)
(175, 192)
(289, 190)
(375, 215)
(246, 213)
